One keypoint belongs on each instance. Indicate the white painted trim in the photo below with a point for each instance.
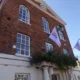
(49, 45)
(19, 55)
(55, 14)
(48, 28)
(13, 57)
(28, 14)
(20, 48)
(56, 17)
(13, 60)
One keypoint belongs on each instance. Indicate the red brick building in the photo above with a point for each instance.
(11, 25)
(25, 26)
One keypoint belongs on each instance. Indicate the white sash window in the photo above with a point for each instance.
(23, 45)
(24, 14)
(45, 25)
(65, 51)
(49, 47)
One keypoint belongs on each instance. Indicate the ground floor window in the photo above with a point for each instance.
(22, 76)
(22, 45)
(49, 47)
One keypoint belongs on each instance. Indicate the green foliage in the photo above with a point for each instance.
(61, 60)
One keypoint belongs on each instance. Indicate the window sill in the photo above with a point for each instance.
(24, 22)
(14, 57)
(25, 56)
(62, 39)
(46, 32)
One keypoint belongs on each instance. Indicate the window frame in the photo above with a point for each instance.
(65, 51)
(49, 46)
(18, 75)
(19, 54)
(47, 27)
(61, 35)
(27, 19)
(61, 32)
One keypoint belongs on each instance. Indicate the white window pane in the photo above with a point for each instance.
(20, 16)
(23, 41)
(18, 35)
(26, 52)
(27, 43)
(18, 46)
(20, 11)
(24, 14)
(22, 76)
(18, 40)
(61, 35)
(27, 38)
(45, 25)
(26, 20)
(49, 47)
(65, 51)
(24, 17)
(23, 36)
(22, 52)
(18, 51)
(22, 46)
(27, 47)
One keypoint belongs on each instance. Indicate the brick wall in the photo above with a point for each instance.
(10, 26)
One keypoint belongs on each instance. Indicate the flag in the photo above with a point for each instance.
(54, 37)
(77, 46)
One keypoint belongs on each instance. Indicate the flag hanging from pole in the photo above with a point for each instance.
(54, 37)
(77, 45)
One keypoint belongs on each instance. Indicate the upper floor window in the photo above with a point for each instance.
(49, 47)
(65, 51)
(45, 25)
(61, 35)
(60, 31)
(24, 14)
(23, 45)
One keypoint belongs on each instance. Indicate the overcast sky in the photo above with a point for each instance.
(69, 11)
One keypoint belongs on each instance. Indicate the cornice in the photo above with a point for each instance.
(54, 16)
